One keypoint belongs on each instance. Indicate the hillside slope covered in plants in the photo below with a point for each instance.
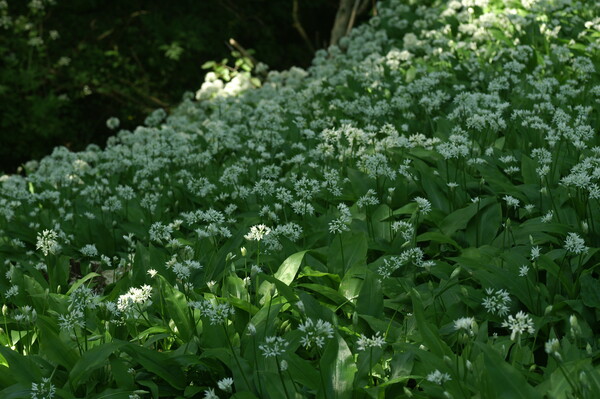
(416, 215)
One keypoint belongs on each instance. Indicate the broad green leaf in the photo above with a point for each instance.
(484, 227)
(158, 363)
(20, 390)
(22, 368)
(437, 238)
(113, 393)
(407, 209)
(370, 298)
(244, 395)
(91, 361)
(81, 281)
(431, 338)
(177, 309)
(338, 367)
(119, 370)
(289, 268)
(590, 290)
(352, 251)
(507, 381)
(303, 372)
(382, 228)
(329, 293)
(282, 288)
(243, 305)
(52, 346)
(459, 219)
(353, 282)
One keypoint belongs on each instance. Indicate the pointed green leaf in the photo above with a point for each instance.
(507, 381)
(338, 366)
(289, 268)
(91, 361)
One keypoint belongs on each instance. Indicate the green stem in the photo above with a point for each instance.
(287, 395)
(237, 361)
(342, 252)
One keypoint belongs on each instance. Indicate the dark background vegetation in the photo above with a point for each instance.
(128, 58)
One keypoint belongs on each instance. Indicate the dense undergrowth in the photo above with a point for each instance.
(416, 215)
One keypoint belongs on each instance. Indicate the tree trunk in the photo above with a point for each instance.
(345, 17)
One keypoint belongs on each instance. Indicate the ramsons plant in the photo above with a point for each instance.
(413, 216)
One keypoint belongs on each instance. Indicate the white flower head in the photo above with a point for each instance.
(376, 340)
(466, 323)
(315, 333)
(225, 384)
(273, 346)
(519, 324)
(496, 301)
(258, 232)
(552, 347)
(43, 390)
(523, 270)
(575, 244)
(437, 377)
(210, 394)
(423, 204)
(47, 242)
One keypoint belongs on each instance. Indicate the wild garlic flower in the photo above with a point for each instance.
(283, 365)
(376, 340)
(71, 320)
(390, 266)
(523, 270)
(225, 384)
(47, 242)
(210, 394)
(437, 377)
(370, 198)
(535, 253)
(552, 347)
(337, 226)
(25, 315)
(12, 291)
(257, 233)
(134, 300)
(217, 313)
(112, 123)
(273, 346)
(496, 302)
(406, 229)
(424, 206)
(575, 244)
(519, 324)
(83, 298)
(466, 323)
(547, 218)
(43, 390)
(89, 250)
(160, 233)
(511, 201)
(315, 333)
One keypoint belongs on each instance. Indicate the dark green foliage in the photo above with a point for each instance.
(127, 58)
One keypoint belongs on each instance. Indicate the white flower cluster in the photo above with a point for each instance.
(376, 341)
(274, 346)
(216, 312)
(519, 324)
(496, 302)
(135, 300)
(47, 242)
(315, 333)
